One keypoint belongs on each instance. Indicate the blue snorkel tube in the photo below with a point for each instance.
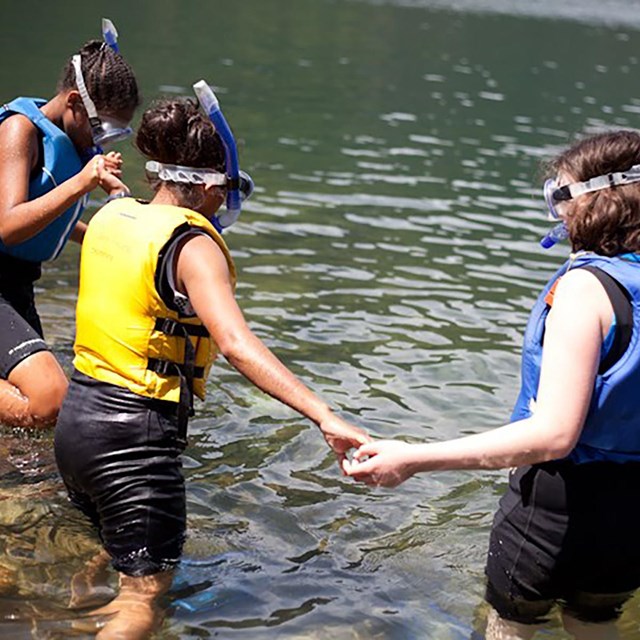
(110, 34)
(557, 234)
(239, 184)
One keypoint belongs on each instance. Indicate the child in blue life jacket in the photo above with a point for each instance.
(50, 160)
(567, 529)
(156, 304)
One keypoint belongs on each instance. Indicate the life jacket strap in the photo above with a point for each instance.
(174, 328)
(170, 368)
(187, 371)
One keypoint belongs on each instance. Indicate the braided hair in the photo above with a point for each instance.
(110, 80)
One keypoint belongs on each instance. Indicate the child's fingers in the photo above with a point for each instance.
(366, 450)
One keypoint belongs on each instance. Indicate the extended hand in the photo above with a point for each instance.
(385, 463)
(342, 436)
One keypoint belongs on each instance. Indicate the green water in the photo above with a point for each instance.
(389, 257)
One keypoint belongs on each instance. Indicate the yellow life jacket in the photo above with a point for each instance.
(125, 333)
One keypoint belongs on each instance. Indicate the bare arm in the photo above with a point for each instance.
(203, 274)
(580, 317)
(77, 234)
(21, 218)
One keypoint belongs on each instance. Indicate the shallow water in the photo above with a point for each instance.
(389, 257)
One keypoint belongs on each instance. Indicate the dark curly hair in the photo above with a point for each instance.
(175, 131)
(110, 80)
(606, 221)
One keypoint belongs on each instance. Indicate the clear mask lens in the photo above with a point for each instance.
(109, 132)
(550, 187)
(246, 186)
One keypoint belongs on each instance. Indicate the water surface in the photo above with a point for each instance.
(389, 256)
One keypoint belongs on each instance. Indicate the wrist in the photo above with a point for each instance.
(321, 414)
(118, 193)
(418, 459)
(82, 184)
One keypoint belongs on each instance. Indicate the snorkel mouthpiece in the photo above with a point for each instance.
(209, 103)
(555, 235)
(110, 34)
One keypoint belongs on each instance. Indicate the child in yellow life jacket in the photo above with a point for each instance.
(155, 305)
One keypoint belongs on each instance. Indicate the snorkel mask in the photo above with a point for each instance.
(239, 183)
(104, 130)
(556, 196)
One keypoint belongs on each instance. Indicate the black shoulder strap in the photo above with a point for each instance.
(621, 303)
(165, 265)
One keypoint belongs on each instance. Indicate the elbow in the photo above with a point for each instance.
(554, 437)
(559, 446)
(8, 237)
(9, 234)
(230, 345)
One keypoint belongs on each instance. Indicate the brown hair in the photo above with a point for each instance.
(110, 80)
(175, 131)
(606, 221)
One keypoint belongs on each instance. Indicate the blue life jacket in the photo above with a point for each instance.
(61, 161)
(612, 427)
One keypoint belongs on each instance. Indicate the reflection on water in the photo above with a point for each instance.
(389, 256)
(607, 12)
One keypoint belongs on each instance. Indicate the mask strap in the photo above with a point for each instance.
(82, 89)
(606, 181)
(189, 175)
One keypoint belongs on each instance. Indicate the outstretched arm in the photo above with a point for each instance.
(580, 317)
(203, 273)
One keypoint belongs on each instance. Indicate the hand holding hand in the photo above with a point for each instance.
(113, 163)
(104, 171)
(342, 436)
(385, 463)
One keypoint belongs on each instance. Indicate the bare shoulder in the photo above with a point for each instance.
(579, 291)
(198, 244)
(577, 281)
(18, 136)
(18, 126)
(199, 252)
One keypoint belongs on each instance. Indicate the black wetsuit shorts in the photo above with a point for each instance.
(569, 534)
(119, 456)
(21, 334)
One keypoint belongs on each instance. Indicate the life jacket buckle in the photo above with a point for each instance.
(169, 327)
(163, 367)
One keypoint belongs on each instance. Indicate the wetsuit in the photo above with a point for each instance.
(140, 354)
(567, 530)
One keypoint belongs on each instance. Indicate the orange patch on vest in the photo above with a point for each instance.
(551, 293)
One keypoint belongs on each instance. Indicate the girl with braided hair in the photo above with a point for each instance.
(50, 160)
